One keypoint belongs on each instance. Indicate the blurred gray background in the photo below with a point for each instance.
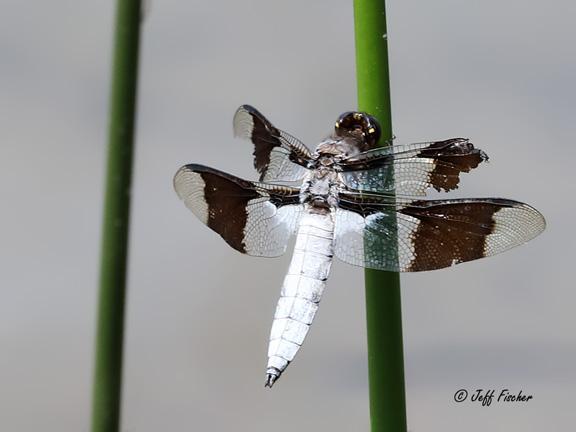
(499, 72)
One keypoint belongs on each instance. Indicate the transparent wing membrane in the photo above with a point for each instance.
(254, 218)
(278, 156)
(412, 169)
(430, 234)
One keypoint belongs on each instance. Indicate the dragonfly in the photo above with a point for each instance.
(352, 199)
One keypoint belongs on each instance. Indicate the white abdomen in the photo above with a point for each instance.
(301, 291)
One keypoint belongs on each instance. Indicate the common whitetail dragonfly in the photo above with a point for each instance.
(357, 201)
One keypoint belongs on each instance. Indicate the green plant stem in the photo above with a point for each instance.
(110, 326)
(383, 305)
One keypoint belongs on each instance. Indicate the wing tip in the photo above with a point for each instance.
(243, 122)
(499, 240)
(189, 186)
(187, 170)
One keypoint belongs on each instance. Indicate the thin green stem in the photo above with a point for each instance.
(110, 327)
(383, 306)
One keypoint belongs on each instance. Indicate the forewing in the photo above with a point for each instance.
(412, 169)
(429, 234)
(278, 156)
(254, 218)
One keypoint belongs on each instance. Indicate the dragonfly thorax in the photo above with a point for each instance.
(336, 148)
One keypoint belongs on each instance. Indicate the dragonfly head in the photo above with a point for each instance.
(362, 127)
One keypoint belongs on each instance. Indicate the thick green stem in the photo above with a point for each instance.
(383, 306)
(110, 326)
